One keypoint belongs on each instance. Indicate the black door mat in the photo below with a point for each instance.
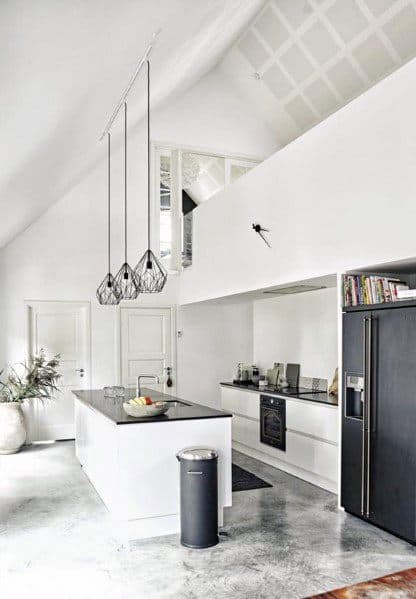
(243, 480)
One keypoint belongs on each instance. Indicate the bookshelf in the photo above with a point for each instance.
(370, 290)
(383, 306)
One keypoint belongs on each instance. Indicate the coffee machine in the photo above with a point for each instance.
(247, 374)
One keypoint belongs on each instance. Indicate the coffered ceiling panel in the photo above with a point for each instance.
(401, 32)
(347, 19)
(301, 60)
(377, 7)
(296, 63)
(320, 43)
(321, 97)
(277, 82)
(272, 29)
(373, 57)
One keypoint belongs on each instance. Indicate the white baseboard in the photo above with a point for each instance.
(310, 477)
(57, 432)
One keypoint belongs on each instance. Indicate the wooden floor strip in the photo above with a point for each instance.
(400, 584)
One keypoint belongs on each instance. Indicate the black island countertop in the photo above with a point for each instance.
(112, 407)
(291, 393)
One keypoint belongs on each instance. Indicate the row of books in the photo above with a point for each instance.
(372, 289)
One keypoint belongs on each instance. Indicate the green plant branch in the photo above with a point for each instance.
(39, 380)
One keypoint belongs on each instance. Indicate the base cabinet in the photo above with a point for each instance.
(311, 436)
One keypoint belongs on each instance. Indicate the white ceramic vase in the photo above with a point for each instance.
(12, 427)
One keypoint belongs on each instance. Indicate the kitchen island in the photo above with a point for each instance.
(131, 462)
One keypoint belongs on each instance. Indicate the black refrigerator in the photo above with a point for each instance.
(378, 464)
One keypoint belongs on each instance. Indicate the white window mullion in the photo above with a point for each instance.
(176, 207)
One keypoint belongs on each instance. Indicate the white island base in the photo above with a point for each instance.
(133, 467)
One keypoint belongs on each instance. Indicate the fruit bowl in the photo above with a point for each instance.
(155, 409)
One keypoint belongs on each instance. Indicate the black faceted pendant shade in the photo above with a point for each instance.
(125, 278)
(150, 274)
(126, 281)
(109, 292)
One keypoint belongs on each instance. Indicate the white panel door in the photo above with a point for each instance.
(146, 346)
(59, 328)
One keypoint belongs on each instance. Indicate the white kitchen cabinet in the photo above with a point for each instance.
(313, 455)
(246, 431)
(311, 437)
(134, 469)
(312, 419)
(239, 402)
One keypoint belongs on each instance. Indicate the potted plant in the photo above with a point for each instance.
(38, 379)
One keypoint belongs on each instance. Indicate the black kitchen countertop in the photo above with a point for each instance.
(112, 407)
(303, 394)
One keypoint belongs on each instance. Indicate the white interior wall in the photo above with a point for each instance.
(2, 317)
(300, 329)
(339, 197)
(214, 338)
(62, 255)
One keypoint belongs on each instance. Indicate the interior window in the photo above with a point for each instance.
(202, 175)
(186, 179)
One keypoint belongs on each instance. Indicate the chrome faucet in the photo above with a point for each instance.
(145, 376)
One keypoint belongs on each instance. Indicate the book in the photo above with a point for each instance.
(403, 293)
(364, 290)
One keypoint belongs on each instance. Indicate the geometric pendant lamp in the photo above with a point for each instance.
(109, 292)
(125, 278)
(150, 274)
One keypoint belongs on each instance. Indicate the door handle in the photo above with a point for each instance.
(169, 381)
(369, 385)
(81, 371)
(366, 428)
(363, 432)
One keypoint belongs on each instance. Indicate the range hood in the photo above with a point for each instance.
(293, 289)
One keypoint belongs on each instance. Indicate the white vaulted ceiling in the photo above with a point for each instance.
(63, 66)
(301, 60)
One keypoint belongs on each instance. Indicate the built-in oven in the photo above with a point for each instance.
(273, 421)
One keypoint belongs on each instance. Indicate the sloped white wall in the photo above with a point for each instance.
(339, 197)
(62, 256)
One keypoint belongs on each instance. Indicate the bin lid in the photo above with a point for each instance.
(197, 453)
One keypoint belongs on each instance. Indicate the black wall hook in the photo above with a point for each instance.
(260, 230)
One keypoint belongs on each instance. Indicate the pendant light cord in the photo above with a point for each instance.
(125, 182)
(109, 198)
(148, 154)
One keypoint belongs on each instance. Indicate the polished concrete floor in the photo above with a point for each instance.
(284, 542)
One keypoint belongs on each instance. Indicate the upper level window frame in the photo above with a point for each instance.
(173, 263)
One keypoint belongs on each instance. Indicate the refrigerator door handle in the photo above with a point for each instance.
(363, 470)
(368, 376)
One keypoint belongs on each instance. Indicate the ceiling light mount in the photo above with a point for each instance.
(130, 84)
